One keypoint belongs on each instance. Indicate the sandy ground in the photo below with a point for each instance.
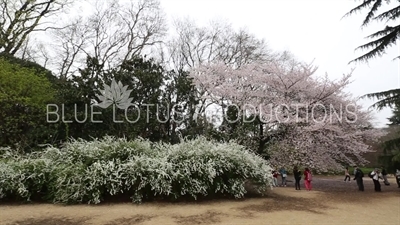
(331, 202)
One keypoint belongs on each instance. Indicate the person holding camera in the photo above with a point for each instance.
(283, 174)
(375, 178)
(384, 176)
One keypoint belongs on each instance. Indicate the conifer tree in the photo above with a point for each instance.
(382, 40)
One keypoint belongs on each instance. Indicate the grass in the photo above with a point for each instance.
(365, 170)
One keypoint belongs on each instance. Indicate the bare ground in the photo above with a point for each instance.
(332, 202)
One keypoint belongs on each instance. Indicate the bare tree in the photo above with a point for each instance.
(70, 47)
(19, 18)
(35, 51)
(112, 33)
(194, 45)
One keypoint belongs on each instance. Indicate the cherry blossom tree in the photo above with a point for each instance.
(300, 118)
(191, 45)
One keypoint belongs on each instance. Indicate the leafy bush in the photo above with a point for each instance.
(89, 171)
(25, 90)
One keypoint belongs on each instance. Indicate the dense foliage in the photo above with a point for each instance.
(390, 143)
(24, 93)
(89, 171)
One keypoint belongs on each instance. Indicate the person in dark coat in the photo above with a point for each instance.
(297, 177)
(359, 178)
(384, 176)
(398, 178)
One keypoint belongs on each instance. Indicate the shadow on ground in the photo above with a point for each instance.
(276, 202)
(52, 221)
(325, 191)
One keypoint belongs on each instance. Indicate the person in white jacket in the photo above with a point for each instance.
(375, 178)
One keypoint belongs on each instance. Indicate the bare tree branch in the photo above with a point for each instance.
(112, 33)
(195, 45)
(20, 18)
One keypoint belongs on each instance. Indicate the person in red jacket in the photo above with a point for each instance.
(307, 179)
(275, 178)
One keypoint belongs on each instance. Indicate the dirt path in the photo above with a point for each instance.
(331, 202)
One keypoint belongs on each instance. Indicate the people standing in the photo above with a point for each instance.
(384, 176)
(275, 178)
(307, 179)
(297, 177)
(346, 174)
(398, 177)
(359, 178)
(283, 173)
(375, 178)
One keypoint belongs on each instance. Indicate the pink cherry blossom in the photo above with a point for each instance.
(328, 127)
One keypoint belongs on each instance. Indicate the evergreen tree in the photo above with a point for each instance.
(384, 39)
(391, 142)
(392, 146)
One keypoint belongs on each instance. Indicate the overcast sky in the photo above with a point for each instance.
(311, 30)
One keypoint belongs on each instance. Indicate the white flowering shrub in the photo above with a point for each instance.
(89, 171)
(23, 178)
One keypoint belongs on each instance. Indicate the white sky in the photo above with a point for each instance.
(311, 30)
